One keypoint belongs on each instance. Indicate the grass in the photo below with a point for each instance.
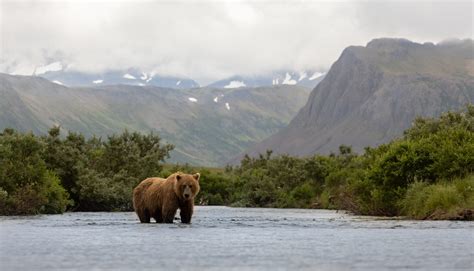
(446, 200)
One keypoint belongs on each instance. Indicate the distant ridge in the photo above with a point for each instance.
(132, 77)
(308, 79)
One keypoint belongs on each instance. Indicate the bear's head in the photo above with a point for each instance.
(186, 185)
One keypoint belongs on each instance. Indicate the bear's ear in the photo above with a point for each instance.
(196, 176)
(178, 177)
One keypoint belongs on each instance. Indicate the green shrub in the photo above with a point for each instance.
(304, 195)
(27, 186)
(100, 175)
(215, 188)
(324, 200)
(446, 200)
(100, 193)
(56, 196)
(3, 201)
(431, 151)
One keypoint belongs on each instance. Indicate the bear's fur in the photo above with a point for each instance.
(161, 198)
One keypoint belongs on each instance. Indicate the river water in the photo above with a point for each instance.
(222, 238)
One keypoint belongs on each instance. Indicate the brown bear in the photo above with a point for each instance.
(160, 198)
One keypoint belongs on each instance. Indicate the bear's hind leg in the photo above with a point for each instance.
(158, 217)
(144, 216)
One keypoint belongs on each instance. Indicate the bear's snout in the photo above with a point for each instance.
(187, 192)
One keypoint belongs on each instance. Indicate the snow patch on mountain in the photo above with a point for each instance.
(235, 84)
(98, 81)
(193, 100)
(227, 106)
(144, 76)
(303, 75)
(316, 75)
(52, 67)
(129, 76)
(58, 82)
(288, 80)
(179, 82)
(216, 99)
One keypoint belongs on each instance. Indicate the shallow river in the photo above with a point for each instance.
(234, 238)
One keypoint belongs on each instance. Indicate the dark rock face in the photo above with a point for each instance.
(371, 94)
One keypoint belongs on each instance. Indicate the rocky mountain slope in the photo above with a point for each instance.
(207, 125)
(372, 93)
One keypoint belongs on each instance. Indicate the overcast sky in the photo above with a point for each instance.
(207, 40)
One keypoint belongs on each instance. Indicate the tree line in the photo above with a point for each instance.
(425, 174)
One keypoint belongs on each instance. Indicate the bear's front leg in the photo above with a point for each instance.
(186, 211)
(158, 217)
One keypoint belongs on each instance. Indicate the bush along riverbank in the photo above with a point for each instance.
(428, 173)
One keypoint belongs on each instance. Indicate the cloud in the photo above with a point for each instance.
(422, 20)
(207, 40)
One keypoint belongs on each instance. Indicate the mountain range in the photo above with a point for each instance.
(207, 125)
(57, 73)
(60, 73)
(372, 93)
(304, 78)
